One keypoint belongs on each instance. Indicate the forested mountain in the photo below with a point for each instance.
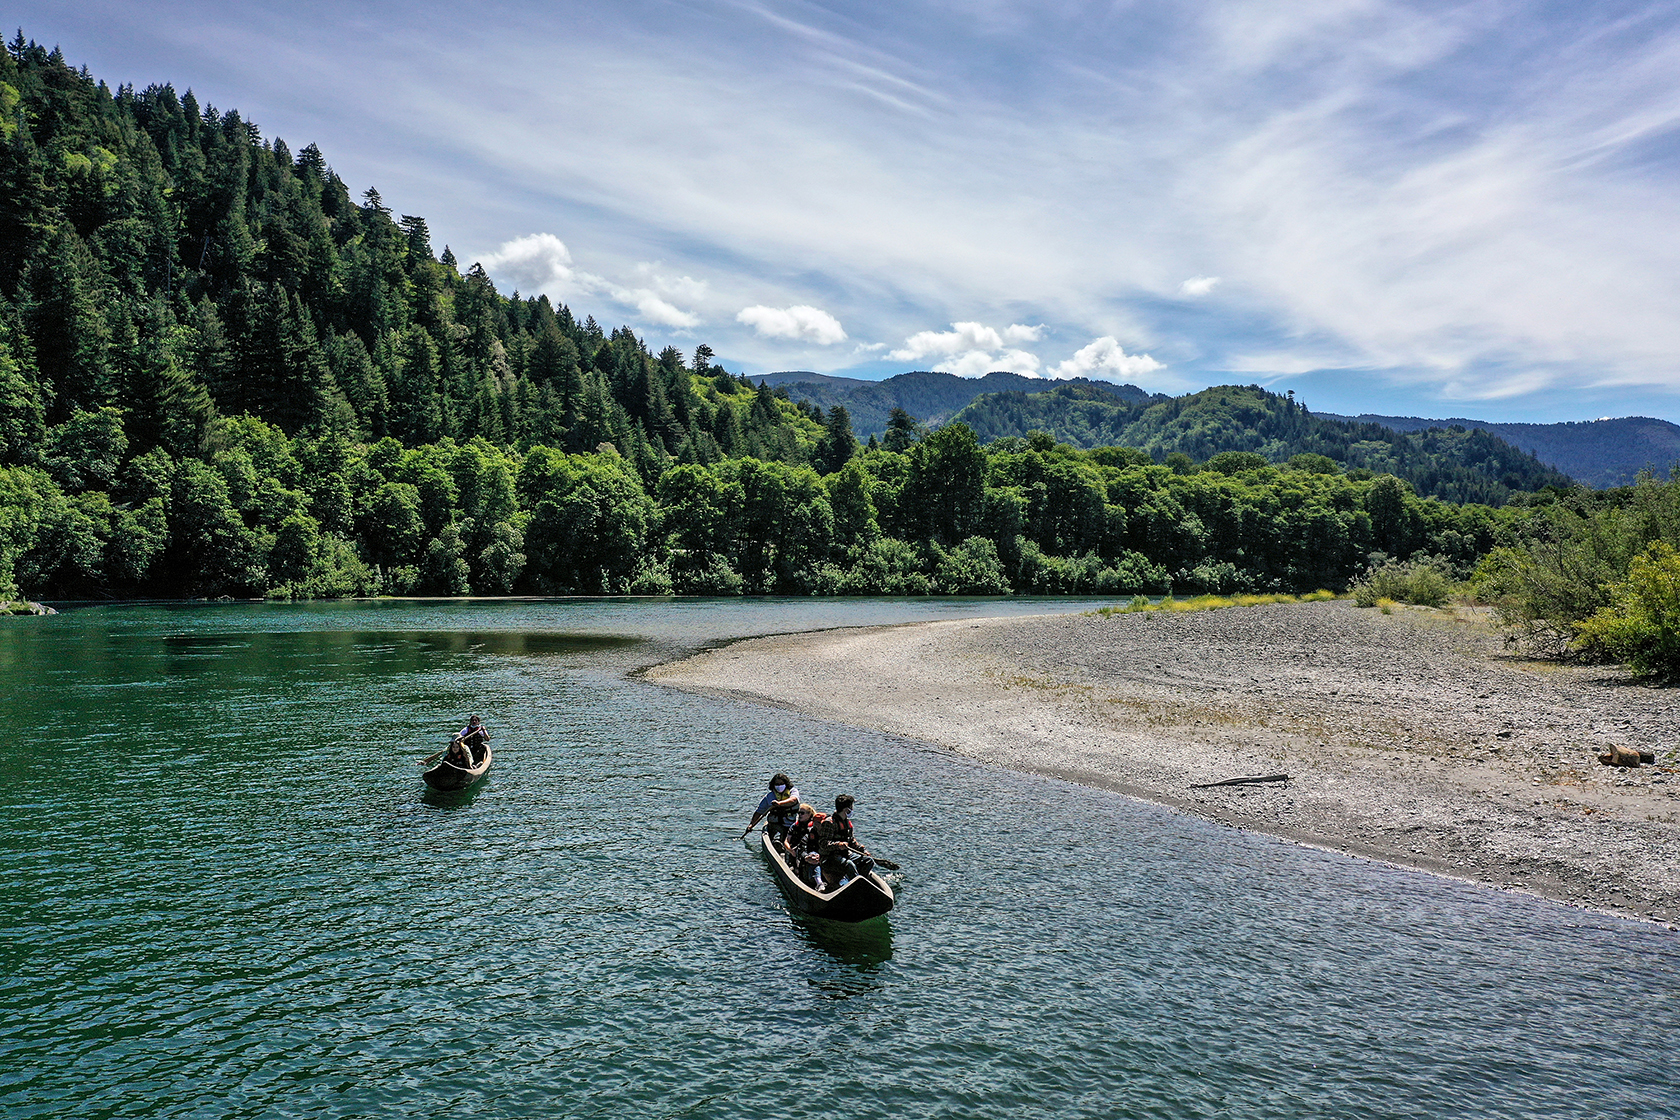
(1458, 466)
(931, 398)
(1607, 452)
(222, 374)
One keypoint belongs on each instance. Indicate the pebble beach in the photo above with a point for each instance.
(1415, 737)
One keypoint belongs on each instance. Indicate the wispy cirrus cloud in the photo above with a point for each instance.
(1447, 198)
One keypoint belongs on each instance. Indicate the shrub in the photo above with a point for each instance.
(704, 573)
(887, 566)
(1641, 626)
(972, 568)
(1423, 581)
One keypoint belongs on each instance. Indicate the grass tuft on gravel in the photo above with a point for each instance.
(1210, 602)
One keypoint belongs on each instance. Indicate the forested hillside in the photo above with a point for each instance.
(1605, 452)
(1456, 465)
(932, 398)
(224, 372)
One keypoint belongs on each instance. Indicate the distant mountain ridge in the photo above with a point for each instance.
(932, 398)
(1596, 453)
(1466, 465)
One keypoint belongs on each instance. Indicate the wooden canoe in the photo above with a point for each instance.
(446, 775)
(865, 897)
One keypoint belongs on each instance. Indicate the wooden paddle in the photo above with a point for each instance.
(431, 758)
(886, 863)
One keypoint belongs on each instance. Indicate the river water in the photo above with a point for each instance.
(226, 894)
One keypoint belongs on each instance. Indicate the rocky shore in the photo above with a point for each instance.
(1413, 737)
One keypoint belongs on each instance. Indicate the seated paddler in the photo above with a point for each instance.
(458, 754)
(800, 844)
(780, 805)
(843, 858)
(476, 736)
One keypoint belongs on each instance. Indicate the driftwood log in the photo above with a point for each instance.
(1244, 781)
(1626, 756)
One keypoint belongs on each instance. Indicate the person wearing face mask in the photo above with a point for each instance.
(781, 805)
(800, 845)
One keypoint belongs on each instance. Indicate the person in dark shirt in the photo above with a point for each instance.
(800, 844)
(476, 737)
(457, 754)
(843, 858)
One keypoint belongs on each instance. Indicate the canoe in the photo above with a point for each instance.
(446, 775)
(865, 897)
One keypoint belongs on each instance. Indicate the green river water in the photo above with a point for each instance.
(226, 894)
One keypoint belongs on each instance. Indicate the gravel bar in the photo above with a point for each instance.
(1415, 737)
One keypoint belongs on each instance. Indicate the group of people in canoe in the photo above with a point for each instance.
(822, 848)
(466, 749)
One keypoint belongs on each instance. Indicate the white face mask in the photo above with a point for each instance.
(781, 789)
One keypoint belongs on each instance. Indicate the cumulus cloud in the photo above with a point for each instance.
(540, 262)
(973, 349)
(1198, 286)
(978, 363)
(801, 323)
(535, 262)
(963, 338)
(1104, 360)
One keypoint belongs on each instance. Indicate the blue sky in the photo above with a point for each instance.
(1427, 209)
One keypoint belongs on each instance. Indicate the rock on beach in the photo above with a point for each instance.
(1414, 737)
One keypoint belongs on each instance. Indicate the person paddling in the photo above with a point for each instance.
(781, 804)
(476, 736)
(457, 754)
(843, 857)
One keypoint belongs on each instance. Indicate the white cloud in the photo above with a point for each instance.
(973, 349)
(978, 363)
(653, 309)
(1104, 360)
(536, 262)
(540, 262)
(1412, 187)
(963, 338)
(800, 322)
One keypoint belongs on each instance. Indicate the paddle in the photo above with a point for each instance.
(431, 758)
(886, 863)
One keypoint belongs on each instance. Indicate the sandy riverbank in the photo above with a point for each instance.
(1413, 737)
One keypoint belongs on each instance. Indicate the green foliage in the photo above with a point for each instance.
(1560, 562)
(972, 568)
(1209, 602)
(1233, 429)
(589, 523)
(1424, 581)
(1641, 623)
(222, 374)
(887, 566)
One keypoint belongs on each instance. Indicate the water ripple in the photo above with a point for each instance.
(274, 920)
